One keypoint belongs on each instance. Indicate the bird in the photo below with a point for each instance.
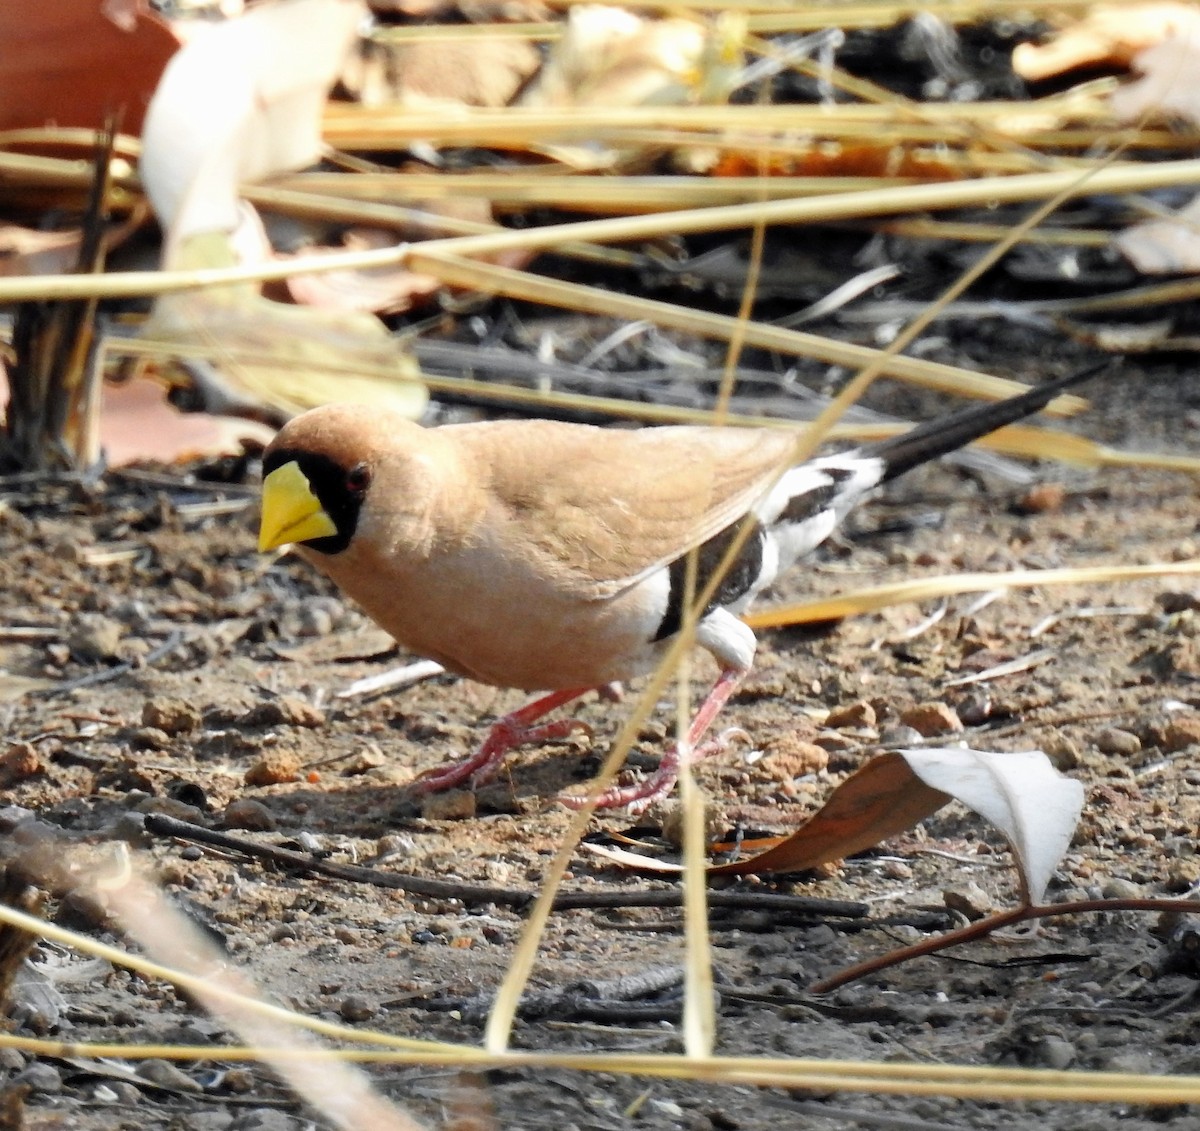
(552, 556)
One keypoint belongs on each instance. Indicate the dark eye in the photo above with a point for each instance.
(358, 479)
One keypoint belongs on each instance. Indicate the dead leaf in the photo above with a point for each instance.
(1108, 35)
(459, 73)
(137, 424)
(385, 290)
(1164, 247)
(240, 101)
(883, 798)
(74, 62)
(1022, 794)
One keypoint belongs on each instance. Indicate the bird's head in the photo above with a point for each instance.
(317, 475)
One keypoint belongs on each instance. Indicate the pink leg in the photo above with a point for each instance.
(659, 784)
(507, 734)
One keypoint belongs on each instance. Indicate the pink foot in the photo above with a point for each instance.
(507, 734)
(658, 786)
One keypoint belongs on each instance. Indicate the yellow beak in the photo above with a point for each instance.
(290, 510)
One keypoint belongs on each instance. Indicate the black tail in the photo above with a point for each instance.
(947, 434)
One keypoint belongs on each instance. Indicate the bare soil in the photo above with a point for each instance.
(176, 661)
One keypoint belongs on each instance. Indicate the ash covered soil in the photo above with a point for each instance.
(178, 672)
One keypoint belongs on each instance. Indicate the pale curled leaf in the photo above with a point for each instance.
(240, 101)
(1021, 793)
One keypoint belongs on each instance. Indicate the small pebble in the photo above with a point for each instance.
(1117, 742)
(929, 719)
(356, 1008)
(166, 1075)
(1055, 1052)
(40, 1079)
(172, 716)
(1119, 888)
(855, 715)
(900, 736)
(968, 899)
(453, 805)
(248, 813)
(277, 767)
(1042, 498)
(787, 756)
(286, 710)
(1180, 733)
(1063, 752)
(95, 637)
(20, 761)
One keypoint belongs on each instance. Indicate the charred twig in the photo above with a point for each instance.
(475, 894)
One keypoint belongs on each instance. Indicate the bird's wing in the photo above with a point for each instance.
(598, 510)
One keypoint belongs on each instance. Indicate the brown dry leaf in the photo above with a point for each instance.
(1164, 247)
(1021, 793)
(1109, 35)
(137, 424)
(883, 798)
(73, 62)
(460, 73)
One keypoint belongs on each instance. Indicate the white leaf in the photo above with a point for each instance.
(1021, 793)
(239, 101)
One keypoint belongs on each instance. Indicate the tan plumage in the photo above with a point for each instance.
(547, 556)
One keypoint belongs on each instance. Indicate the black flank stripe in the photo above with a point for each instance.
(739, 580)
(804, 506)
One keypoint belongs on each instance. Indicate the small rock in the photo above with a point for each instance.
(248, 813)
(20, 761)
(11, 1060)
(1063, 752)
(125, 1092)
(166, 1075)
(787, 756)
(900, 736)
(968, 899)
(263, 1119)
(1055, 1052)
(1117, 742)
(278, 766)
(1180, 733)
(169, 807)
(284, 711)
(1042, 498)
(151, 738)
(1173, 601)
(928, 719)
(453, 805)
(40, 1079)
(172, 716)
(856, 715)
(95, 637)
(1118, 887)
(356, 1008)
(1183, 875)
(669, 815)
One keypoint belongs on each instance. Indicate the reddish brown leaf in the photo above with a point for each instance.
(882, 799)
(73, 62)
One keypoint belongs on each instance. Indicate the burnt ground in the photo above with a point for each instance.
(214, 663)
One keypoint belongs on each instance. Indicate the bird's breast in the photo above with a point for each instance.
(492, 619)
